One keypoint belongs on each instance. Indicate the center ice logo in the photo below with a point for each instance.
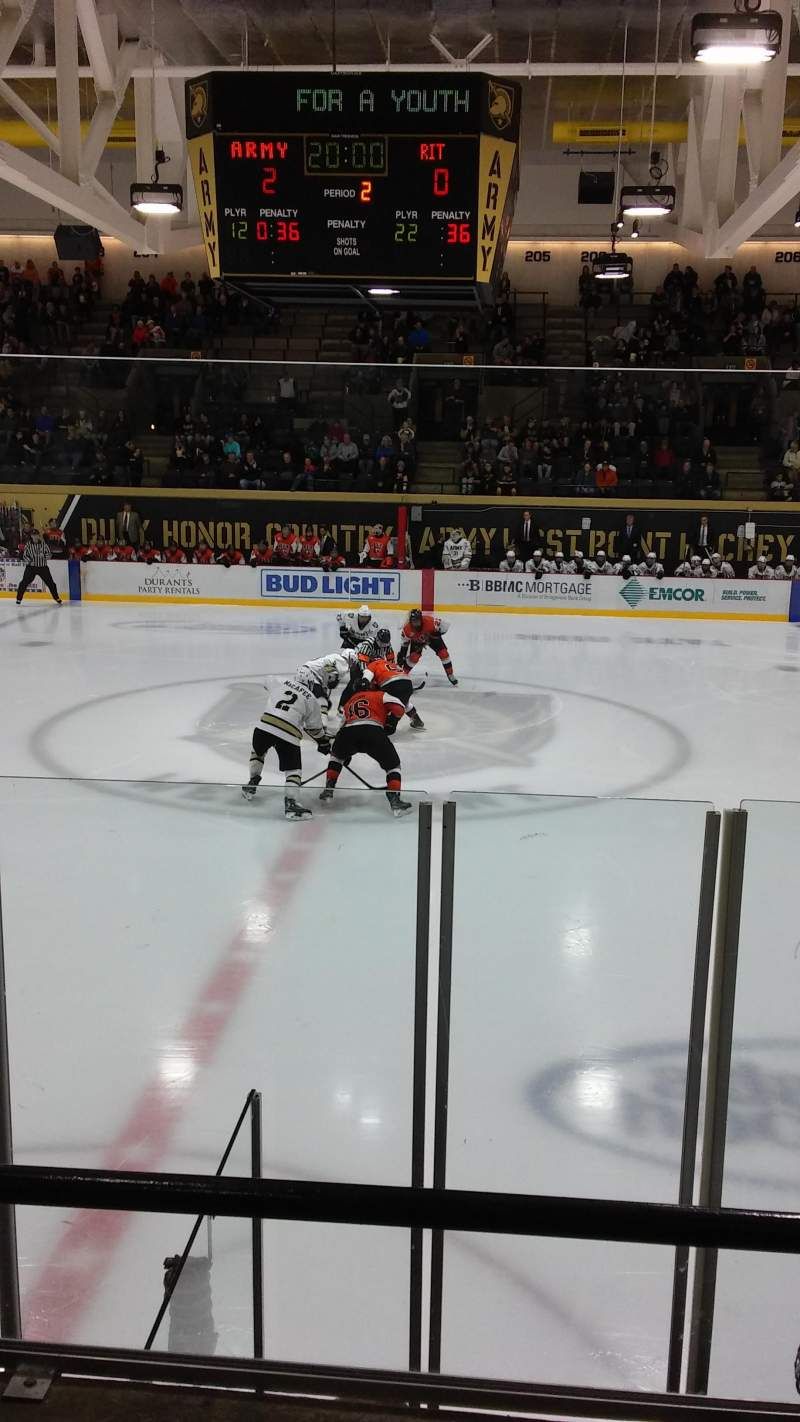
(633, 593)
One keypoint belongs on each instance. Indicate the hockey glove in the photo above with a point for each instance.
(324, 745)
(391, 725)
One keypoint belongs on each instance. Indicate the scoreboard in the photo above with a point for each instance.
(354, 179)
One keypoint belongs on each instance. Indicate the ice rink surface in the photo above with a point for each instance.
(169, 947)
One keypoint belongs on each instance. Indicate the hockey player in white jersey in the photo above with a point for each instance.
(296, 709)
(457, 551)
(720, 567)
(690, 567)
(356, 626)
(650, 568)
(538, 564)
(787, 570)
(760, 571)
(560, 564)
(625, 567)
(601, 567)
(511, 563)
(332, 670)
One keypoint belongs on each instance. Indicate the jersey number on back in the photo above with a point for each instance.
(286, 702)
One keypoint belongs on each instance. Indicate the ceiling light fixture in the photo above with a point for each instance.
(612, 267)
(647, 200)
(157, 199)
(749, 36)
(383, 291)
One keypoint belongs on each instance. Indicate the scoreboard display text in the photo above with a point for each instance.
(351, 177)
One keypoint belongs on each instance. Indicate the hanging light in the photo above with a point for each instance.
(156, 199)
(748, 36)
(635, 229)
(647, 200)
(797, 218)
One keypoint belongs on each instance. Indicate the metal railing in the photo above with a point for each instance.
(251, 1109)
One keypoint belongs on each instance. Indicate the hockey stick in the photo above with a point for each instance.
(355, 773)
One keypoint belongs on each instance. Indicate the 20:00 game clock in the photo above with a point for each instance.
(359, 179)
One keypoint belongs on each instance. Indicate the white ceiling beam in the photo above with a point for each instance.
(478, 49)
(67, 91)
(449, 59)
(30, 117)
(690, 192)
(772, 88)
(108, 107)
(779, 188)
(539, 69)
(100, 58)
(82, 202)
(728, 149)
(12, 22)
(753, 115)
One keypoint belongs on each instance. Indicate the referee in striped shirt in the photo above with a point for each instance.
(34, 556)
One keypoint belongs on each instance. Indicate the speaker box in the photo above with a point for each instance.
(77, 244)
(596, 188)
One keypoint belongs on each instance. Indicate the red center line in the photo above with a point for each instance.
(80, 1260)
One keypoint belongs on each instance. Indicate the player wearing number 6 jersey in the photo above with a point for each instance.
(370, 718)
(296, 709)
(424, 630)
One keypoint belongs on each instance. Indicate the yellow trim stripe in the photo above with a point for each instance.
(477, 501)
(440, 607)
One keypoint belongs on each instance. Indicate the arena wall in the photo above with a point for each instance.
(740, 532)
(388, 591)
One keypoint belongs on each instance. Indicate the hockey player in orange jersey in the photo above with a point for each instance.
(423, 630)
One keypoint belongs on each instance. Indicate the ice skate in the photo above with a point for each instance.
(327, 793)
(397, 806)
(415, 721)
(249, 790)
(293, 811)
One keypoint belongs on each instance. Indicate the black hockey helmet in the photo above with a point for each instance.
(415, 617)
(383, 639)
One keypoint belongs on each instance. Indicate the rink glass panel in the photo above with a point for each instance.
(168, 947)
(756, 1329)
(573, 956)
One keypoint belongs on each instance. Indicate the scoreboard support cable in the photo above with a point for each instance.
(397, 180)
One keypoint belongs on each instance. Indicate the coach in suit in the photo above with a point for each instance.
(702, 540)
(629, 540)
(129, 525)
(526, 537)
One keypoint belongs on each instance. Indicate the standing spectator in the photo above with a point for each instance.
(753, 292)
(34, 556)
(287, 392)
(791, 460)
(399, 399)
(129, 525)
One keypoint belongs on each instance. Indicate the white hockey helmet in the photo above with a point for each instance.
(626, 558)
(716, 558)
(650, 557)
(307, 678)
(790, 558)
(537, 553)
(706, 563)
(695, 560)
(364, 614)
(558, 557)
(601, 555)
(761, 562)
